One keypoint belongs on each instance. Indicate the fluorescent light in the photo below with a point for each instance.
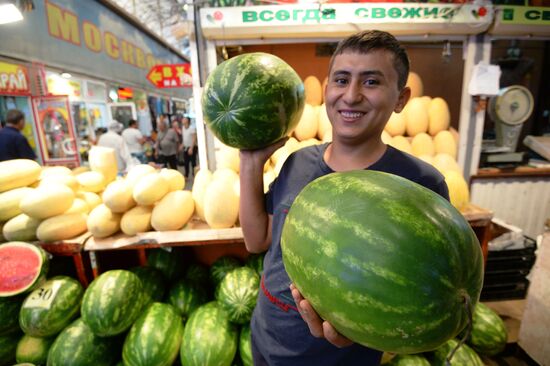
(9, 13)
(66, 75)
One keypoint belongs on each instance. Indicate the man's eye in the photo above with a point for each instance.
(340, 81)
(371, 82)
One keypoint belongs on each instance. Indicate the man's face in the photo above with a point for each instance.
(361, 94)
(21, 125)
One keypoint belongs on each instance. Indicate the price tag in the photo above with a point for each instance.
(43, 296)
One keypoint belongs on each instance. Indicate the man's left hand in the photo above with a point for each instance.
(318, 327)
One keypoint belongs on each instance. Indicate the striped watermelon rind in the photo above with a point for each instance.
(154, 338)
(198, 274)
(409, 360)
(186, 297)
(77, 345)
(168, 262)
(209, 338)
(252, 100)
(464, 355)
(8, 345)
(33, 349)
(31, 263)
(489, 335)
(256, 262)
(112, 302)
(221, 267)
(237, 294)
(388, 262)
(39, 320)
(245, 347)
(153, 283)
(9, 313)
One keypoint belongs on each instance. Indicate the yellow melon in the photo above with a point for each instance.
(396, 124)
(150, 188)
(458, 189)
(176, 180)
(444, 162)
(445, 143)
(57, 170)
(225, 174)
(427, 158)
(324, 122)
(324, 86)
(92, 181)
(415, 83)
(386, 138)
(47, 201)
(401, 143)
(79, 206)
(220, 216)
(422, 144)
(67, 179)
(102, 222)
(426, 100)
(269, 177)
(308, 125)
(9, 202)
(328, 136)
(138, 171)
(416, 117)
(103, 160)
(163, 218)
(228, 157)
(313, 90)
(118, 196)
(62, 227)
(309, 142)
(21, 228)
(439, 116)
(92, 199)
(18, 173)
(200, 183)
(136, 220)
(80, 170)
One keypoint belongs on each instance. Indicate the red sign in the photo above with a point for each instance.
(125, 93)
(14, 79)
(171, 76)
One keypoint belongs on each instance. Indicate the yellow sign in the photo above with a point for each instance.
(14, 79)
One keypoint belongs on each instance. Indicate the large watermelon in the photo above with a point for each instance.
(77, 345)
(252, 100)
(464, 355)
(9, 313)
(389, 263)
(8, 345)
(237, 294)
(112, 303)
(155, 337)
(245, 347)
(33, 349)
(209, 338)
(23, 266)
(221, 267)
(169, 263)
(51, 307)
(489, 333)
(153, 283)
(409, 360)
(186, 297)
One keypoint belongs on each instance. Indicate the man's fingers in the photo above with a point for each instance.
(311, 318)
(334, 337)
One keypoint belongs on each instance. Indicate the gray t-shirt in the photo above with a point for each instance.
(168, 141)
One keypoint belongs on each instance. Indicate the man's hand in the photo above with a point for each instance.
(260, 156)
(318, 327)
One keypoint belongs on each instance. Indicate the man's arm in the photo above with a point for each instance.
(24, 149)
(254, 219)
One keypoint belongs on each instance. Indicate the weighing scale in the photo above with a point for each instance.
(509, 109)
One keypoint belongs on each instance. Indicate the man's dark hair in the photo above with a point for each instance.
(132, 122)
(14, 116)
(367, 41)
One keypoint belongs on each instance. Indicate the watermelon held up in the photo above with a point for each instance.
(23, 267)
(252, 100)
(389, 263)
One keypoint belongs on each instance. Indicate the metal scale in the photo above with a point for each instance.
(509, 110)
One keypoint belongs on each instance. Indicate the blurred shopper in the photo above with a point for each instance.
(135, 140)
(13, 144)
(167, 145)
(112, 139)
(189, 138)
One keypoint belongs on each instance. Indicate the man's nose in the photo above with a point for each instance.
(352, 93)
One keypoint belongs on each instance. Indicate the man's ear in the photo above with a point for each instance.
(404, 97)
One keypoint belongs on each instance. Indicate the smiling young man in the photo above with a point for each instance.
(367, 77)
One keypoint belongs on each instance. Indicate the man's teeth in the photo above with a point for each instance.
(351, 114)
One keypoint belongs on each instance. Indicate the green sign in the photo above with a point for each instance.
(525, 15)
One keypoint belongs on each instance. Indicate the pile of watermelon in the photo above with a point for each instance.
(165, 313)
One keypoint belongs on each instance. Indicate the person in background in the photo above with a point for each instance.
(112, 139)
(167, 145)
(135, 140)
(13, 144)
(189, 138)
(176, 126)
(367, 83)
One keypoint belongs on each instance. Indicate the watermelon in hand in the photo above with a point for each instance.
(23, 267)
(252, 100)
(389, 263)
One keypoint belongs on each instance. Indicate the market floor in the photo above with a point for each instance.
(511, 312)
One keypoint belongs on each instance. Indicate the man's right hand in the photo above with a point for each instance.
(260, 156)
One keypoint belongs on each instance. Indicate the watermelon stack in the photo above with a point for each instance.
(489, 335)
(186, 297)
(245, 348)
(167, 261)
(33, 349)
(237, 294)
(464, 355)
(153, 283)
(390, 264)
(221, 267)
(9, 314)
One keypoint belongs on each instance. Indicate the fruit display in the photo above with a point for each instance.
(489, 333)
(23, 267)
(379, 302)
(252, 100)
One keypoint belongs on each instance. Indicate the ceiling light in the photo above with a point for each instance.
(66, 75)
(9, 13)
